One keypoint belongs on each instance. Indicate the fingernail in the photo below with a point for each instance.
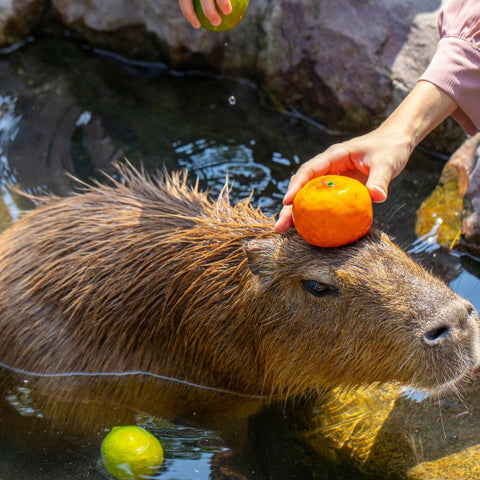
(381, 196)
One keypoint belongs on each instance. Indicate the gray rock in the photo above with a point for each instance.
(345, 63)
(338, 61)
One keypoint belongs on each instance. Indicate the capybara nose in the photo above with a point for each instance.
(436, 335)
(459, 319)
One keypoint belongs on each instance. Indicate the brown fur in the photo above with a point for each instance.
(151, 275)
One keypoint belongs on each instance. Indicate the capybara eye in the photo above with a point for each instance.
(319, 289)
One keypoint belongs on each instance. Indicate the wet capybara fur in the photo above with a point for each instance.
(150, 275)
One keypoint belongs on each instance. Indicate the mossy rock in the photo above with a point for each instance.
(459, 466)
(440, 215)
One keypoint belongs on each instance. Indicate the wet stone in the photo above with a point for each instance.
(442, 215)
(17, 19)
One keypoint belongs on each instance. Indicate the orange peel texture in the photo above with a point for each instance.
(332, 210)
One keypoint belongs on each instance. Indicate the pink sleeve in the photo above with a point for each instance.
(455, 67)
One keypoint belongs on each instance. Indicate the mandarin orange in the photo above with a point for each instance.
(332, 210)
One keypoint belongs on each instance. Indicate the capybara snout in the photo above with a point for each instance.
(152, 275)
(457, 323)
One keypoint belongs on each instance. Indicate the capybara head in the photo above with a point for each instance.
(150, 275)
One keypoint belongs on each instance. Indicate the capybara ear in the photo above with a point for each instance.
(261, 253)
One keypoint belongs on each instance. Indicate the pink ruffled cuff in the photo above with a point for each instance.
(455, 68)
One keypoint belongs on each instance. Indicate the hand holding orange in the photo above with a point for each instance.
(332, 210)
(239, 9)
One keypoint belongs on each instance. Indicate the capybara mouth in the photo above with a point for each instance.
(440, 386)
(419, 394)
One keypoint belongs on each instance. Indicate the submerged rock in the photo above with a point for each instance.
(383, 433)
(457, 466)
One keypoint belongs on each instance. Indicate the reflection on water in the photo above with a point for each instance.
(60, 438)
(8, 131)
(213, 162)
(66, 110)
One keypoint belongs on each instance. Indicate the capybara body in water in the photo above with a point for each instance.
(151, 275)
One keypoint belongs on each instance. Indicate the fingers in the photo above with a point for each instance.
(374, 159)
(209, 8)
(225, 6)
(334, 160)
(186, 6)
(381, 174)
(378, 193)
(285, 220)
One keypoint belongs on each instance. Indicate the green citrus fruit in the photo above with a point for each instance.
(131, 453)
(239, 9)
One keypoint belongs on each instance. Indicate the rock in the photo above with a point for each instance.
(471, 204)
(450, 216)
(156, 30)
(337, 61)
(18, 18)
(56, 129)
(458, 466)
(440, 215)
(347, 63)
(382, 433)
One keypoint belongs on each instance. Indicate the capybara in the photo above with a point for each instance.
(148, 274)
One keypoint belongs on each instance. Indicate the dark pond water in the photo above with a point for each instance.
(64, 109)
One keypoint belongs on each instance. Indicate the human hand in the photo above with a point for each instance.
(379, 156)
(374, 159)
(210, 8)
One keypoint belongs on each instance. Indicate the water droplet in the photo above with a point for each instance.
(84, 118)
(232, 100)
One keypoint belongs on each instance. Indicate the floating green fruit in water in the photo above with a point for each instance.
(131, 453)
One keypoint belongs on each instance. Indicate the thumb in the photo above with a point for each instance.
(378, 182)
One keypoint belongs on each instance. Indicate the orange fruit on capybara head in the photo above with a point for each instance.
(332, 210)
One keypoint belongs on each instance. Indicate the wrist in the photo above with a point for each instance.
(398, 137)
(424, 108)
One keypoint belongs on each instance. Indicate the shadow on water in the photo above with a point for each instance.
(63, 109)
